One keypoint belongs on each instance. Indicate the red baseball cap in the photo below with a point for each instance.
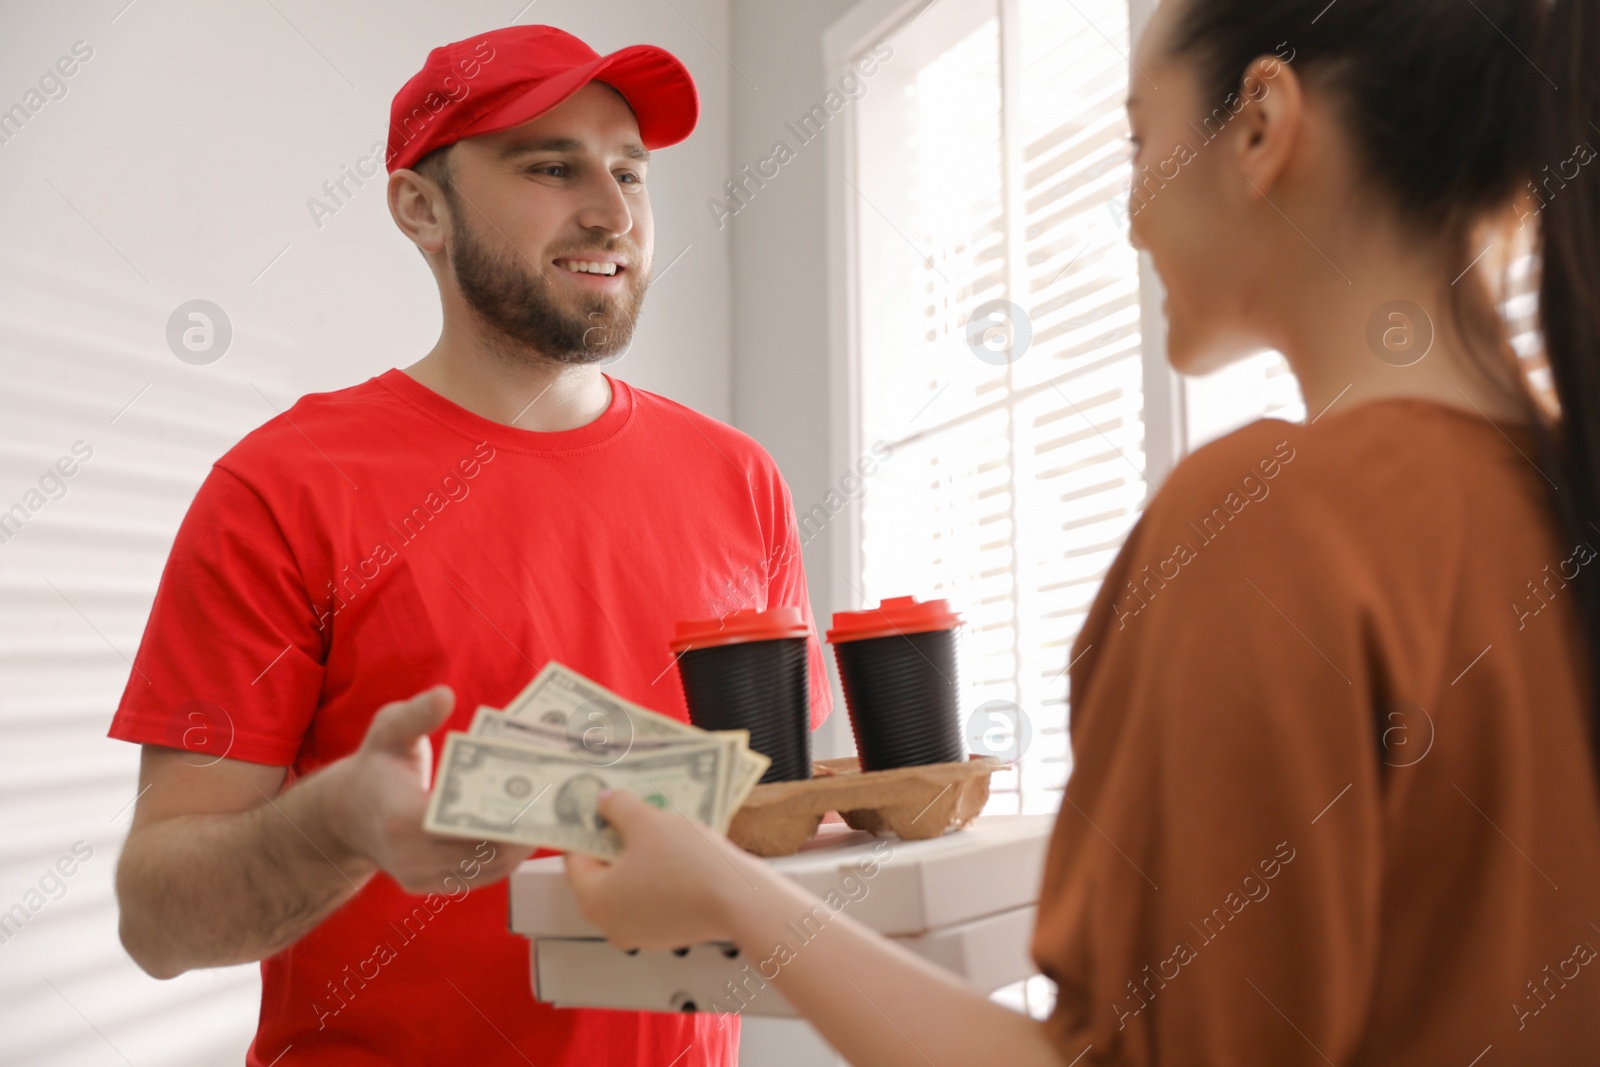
(506, 77)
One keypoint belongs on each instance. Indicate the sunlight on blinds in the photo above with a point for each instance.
(1000, 344)
(1514, 274)
(1261, 387)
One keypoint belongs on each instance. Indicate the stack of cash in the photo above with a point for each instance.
(531, 774)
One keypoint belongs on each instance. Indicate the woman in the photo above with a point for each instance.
(1334, 797)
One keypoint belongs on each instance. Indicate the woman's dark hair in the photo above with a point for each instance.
(1569, 291)
(1454, 107)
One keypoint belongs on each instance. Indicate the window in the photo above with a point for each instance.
(1001, 346)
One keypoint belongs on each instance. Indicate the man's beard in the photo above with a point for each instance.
(515, 300)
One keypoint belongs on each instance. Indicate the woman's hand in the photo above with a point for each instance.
(676, 883)
(671, 884)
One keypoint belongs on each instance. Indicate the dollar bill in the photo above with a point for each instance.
(752, 765)
(488, 788)
(594, 747)
(491, 722)
(561, 699)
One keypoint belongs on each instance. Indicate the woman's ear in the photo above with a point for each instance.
(1270, 119)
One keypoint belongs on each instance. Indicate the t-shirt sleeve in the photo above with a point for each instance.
(1211, 892)
(786, 587)
(230, 663)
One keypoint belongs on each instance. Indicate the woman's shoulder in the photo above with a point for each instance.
(1241, 467)
(1390, 468)
(1321, 524)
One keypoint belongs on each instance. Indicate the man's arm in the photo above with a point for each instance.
(221, 867)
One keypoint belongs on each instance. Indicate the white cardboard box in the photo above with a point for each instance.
(994, 865)
(964, 901)
(989, 953)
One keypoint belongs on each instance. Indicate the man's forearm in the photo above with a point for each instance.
(216, 889)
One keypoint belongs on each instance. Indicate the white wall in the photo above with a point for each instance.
(782, 394)
(781, 387)
(178, 165)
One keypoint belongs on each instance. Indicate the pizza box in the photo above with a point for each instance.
(988, 953)
(899, 888)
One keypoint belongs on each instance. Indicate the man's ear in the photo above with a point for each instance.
(1269, 122)
(418, 207)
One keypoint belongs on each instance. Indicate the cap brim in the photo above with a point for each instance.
(655, 84)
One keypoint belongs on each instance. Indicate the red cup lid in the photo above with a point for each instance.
(738, 627)
(897, 615)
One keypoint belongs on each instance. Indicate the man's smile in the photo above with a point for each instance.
(598, 272)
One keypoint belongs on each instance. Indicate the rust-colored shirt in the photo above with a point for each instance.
(1334, 797)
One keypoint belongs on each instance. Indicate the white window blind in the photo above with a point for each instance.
(1513, 267)
(1261, 387)
(986, 158)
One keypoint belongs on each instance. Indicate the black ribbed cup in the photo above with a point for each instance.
(760, 686)
(903, 698)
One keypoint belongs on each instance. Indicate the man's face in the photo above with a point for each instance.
(551, 235)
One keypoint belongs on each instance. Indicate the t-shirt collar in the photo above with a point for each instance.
(477, 428)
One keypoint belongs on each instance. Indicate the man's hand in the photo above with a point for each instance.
(223, 865)
(375, 799)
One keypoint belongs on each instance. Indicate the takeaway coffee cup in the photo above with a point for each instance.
(897, 663)
(749, 670)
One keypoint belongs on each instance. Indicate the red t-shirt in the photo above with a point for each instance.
(378, 540)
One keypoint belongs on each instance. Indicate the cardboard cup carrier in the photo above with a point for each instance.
(749, 671)
(897, 663)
